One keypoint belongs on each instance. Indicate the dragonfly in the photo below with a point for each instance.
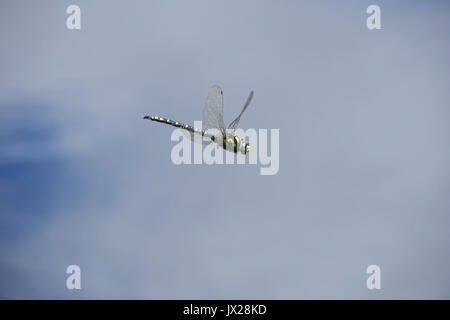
(214, 130)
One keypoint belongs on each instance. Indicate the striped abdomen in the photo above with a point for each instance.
(175, 124)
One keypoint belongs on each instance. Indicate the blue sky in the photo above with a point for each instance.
(363, 118)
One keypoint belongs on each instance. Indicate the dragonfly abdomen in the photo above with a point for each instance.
(174, 123)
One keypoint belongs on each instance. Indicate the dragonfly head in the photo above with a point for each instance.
(247, 147)
(244, 147)
(241, 145)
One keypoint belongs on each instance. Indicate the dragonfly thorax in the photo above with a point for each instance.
(232, 143)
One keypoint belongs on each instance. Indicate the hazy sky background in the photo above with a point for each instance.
(364, 150)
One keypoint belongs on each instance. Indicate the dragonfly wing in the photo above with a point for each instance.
(233, 125)
(196, 137)
(213, 111)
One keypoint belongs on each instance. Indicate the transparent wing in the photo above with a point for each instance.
(235, 122)
(213, 111)
(196, 137)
